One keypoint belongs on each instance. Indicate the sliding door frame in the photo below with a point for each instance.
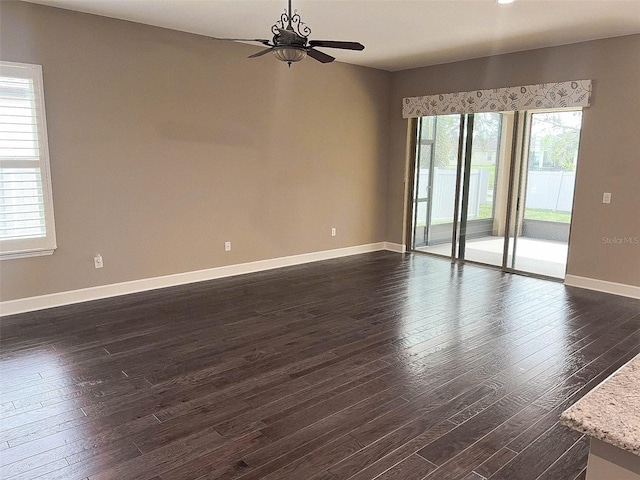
(410, 177)
(514, 203)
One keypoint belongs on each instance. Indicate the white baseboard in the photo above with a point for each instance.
(395, 247)
(603, 286)
(41, 302)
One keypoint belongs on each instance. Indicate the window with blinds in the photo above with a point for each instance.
(26, 205)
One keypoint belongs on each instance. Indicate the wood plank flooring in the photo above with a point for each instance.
(381, 365)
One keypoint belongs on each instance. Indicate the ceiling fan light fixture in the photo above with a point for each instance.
(289, 54)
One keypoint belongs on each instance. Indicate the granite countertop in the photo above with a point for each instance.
(611, 411)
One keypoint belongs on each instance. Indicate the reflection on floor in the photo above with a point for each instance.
(542, 257)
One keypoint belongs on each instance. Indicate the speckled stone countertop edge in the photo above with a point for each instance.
(611, 411)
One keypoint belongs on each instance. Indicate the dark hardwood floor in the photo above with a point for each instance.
(381, 366)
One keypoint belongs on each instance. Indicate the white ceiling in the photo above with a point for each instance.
(397, 34)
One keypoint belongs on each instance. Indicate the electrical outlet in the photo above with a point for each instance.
(333, 232)
(606, 197)
(97, 261)
(227, 246)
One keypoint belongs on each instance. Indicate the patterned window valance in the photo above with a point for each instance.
(576, 93)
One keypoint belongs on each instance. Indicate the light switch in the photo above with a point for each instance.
(606, 197)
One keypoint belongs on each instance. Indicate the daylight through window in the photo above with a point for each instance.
(26, 206)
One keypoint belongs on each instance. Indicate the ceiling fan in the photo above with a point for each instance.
(290, 41)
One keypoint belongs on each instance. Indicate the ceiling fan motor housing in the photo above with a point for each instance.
(289, 46)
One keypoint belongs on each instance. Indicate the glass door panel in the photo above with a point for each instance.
(435, 183)
(545, 193)
(422, 181)
(482, 237)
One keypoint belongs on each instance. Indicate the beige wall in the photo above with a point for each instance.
(609, 159)
(164, 145)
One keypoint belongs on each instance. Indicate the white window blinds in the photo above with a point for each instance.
(26, 206)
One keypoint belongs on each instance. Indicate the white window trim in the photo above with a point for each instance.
(32, 247)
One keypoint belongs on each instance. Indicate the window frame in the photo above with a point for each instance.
(38, 246)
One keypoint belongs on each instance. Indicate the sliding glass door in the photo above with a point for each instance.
(547, 171)
(484, 191)
(496, 188)
(460, 187)
(435, 181)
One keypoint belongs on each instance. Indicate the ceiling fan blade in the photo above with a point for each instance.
(260, 53)
(259, 40)
(319, 56)
(333, 44)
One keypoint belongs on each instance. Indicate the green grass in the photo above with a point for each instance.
(548, 215)
(529, 213)
(485, 211)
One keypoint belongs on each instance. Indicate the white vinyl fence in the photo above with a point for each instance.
(545, 190)
(444, 193)
(550, 190)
